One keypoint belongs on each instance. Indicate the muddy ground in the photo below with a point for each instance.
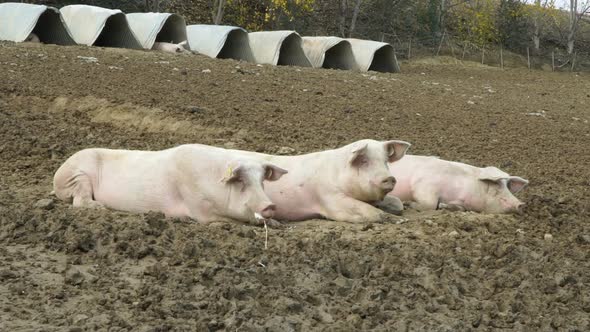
(65, 269)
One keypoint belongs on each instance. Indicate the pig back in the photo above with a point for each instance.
(137, 181)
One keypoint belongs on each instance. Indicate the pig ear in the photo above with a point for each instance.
(396, 150)
(273, 173)
(516, 184)
(492, 174)
(233, 173)
(358, 154)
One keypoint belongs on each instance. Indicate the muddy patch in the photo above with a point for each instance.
(69, 269)
(129, 115)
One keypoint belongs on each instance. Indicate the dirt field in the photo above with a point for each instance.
(65, 269)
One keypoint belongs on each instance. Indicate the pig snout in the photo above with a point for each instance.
(519, 208)
(267, 210)
(512, 206)
(388, 184)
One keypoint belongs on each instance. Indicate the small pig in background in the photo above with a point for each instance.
(171, 47)
(204, 183)
(32, 38)
(430, 183)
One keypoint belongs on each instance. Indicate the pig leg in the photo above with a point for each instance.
(425, 199)
(81, 191)
(391, 204)
(451, 207)
(352, 210)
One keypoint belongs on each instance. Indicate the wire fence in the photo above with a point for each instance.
(544, 58)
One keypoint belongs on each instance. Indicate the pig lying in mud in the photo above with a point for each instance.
(201, 182)
(340, 184)
(430, 183)
(170, 47)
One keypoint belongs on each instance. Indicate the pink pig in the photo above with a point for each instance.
(202, 182)
(430, 183)
(170, 47)
(340, 184)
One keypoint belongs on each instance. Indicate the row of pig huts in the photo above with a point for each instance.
(96, 26)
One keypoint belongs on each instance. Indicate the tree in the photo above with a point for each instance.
(252, 15)
(512, 23)
(291, 14)
(434, 17)
(438, 11)
(538, 14)
(476, 21)
(355, 14)
(577, 10)
(152, 5)
(389, 17)
(218, 8)
(344, 12)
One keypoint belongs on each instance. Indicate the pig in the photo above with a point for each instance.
(430, 183)
(340, 184)
(200, 182)
(170, 47)
(32, 38)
